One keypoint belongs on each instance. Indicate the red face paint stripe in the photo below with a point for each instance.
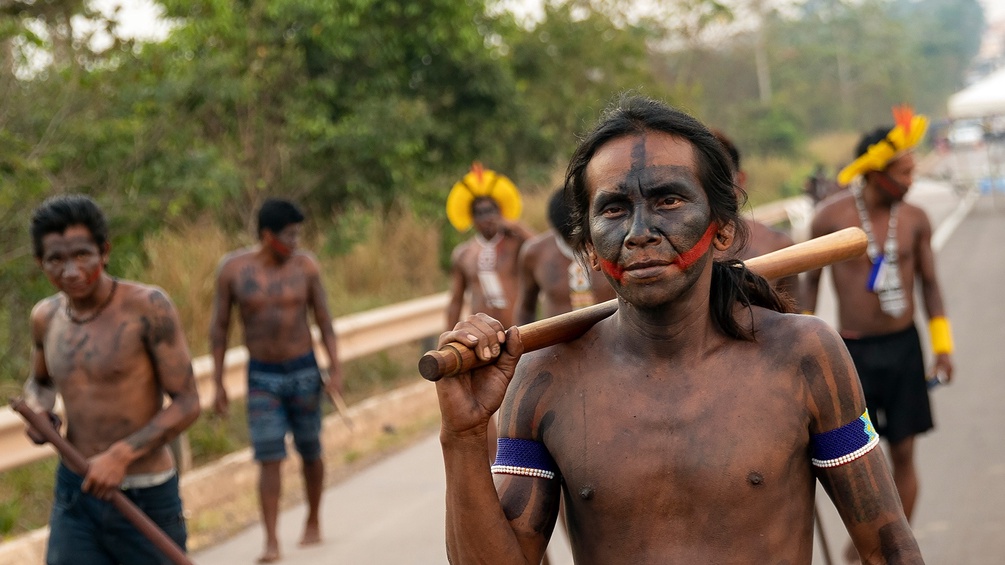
(613, 270)
(280, 248)
(93, 276)
(688, 258)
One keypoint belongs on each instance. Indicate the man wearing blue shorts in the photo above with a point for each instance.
(274, 285)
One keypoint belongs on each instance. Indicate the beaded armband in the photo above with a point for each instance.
(845, 444)
(523, 457)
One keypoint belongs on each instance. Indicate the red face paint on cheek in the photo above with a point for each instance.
(93, 275)
(688, 258)
(279, 248)
(612, 270)
(892, 187)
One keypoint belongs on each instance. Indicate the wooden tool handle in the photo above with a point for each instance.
(455, 358)
(78, 464)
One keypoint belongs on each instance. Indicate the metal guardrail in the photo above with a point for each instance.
(358, 335)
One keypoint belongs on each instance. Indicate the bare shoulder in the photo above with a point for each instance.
(837, 200)
(534, 246)
(529, 393)
(234, 260)
(460, 249)
(913, 214)
(830, 213)
(819, 358)
(768, 238)
(141, 297)
(307, 261)
(42, 314)
(803, 334)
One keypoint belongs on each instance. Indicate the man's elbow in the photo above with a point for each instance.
(189, 406)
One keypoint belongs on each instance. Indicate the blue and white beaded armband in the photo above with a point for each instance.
(523, 457)
(845, 444)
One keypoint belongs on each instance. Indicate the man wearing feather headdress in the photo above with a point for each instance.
(875, 293)
(485, 268)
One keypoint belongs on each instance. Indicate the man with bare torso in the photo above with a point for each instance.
(763, 239)
(112, 349)
(689, 427)
(275, 287)
(550, 271)
(484, 268)
(875, 293)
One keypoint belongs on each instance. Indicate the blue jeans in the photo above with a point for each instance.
(85, 530)
(285, 397)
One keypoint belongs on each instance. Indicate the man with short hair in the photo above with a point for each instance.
(875, 293)
(551, 272)
(689, 427)
(112, 348)
(275, 287)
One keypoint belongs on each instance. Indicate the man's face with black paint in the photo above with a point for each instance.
(486, 216)
(649, 215)
(284, 243)
(897, 178)
(72, 261)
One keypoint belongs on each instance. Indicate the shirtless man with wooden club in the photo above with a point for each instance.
(112, 349)
(689, 427)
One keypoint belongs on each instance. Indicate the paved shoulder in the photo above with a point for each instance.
(392, 513)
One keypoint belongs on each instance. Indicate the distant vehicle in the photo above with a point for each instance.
(966, 134)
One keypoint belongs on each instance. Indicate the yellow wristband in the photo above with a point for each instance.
(807, 312)
(941, 335)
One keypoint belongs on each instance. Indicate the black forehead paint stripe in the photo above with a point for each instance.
(639, 154)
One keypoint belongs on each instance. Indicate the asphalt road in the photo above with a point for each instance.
(392, 513)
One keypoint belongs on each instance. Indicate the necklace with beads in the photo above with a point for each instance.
(97, 311)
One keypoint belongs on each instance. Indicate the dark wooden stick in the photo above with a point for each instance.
(78, 464)
(455, 358)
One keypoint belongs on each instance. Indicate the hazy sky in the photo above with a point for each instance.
(140, 20)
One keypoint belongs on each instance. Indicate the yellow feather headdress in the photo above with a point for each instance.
(482, 182)
(904, 137)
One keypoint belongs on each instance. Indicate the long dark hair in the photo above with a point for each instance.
(732, 283)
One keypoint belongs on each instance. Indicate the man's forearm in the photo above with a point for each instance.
(218, 348)
(39, 397)
(331, 347)
(167, 424)
(453, 315)
(476, 527)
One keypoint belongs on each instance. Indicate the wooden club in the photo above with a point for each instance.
(76, 462)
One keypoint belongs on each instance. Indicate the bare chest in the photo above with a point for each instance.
(101, 354)
(257, 289)
(669, 441)
(501, 258)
